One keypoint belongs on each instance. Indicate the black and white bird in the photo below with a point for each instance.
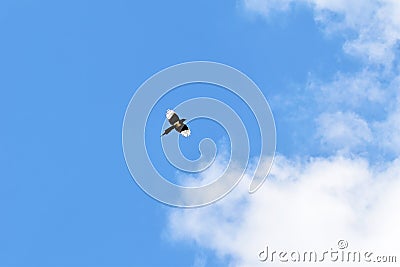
(176, 123)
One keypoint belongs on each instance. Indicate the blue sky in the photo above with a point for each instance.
(69, 69)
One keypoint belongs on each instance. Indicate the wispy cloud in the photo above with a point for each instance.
(388, 131)
(344, 131)
(266, 7)
(200, 261)
(371, 27)
(351, 90)
(366, 102)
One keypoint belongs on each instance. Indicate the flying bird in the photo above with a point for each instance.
(176, 123)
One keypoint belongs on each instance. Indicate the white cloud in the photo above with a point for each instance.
(301, 206)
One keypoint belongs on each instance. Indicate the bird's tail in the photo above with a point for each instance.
(167, 130)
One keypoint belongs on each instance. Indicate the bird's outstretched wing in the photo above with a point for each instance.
(172, 117)
(168, 130)
(185, 131)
